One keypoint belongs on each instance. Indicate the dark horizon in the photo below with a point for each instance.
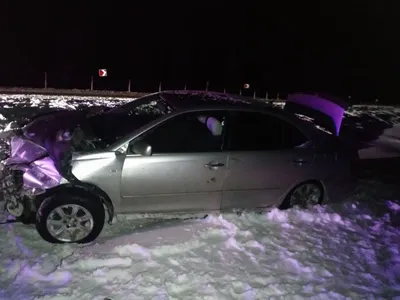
(343, 49)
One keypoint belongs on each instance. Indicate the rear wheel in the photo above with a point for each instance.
(304, 195)
(70, 219)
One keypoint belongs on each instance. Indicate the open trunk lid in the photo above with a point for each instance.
(326, 111)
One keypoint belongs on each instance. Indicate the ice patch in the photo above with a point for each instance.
(134, 251)
(94, 263)
(58, 278)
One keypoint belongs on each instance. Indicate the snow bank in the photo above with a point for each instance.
(341, 252)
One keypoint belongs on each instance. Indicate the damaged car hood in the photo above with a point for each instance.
(51, 134)
(63, 132)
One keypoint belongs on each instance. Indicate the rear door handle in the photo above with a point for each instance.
(214, 165)
(299, 161)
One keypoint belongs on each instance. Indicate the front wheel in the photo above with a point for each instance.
(304, 195)
(70, 219)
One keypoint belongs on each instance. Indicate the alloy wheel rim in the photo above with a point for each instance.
(305, 196)
(70, 223)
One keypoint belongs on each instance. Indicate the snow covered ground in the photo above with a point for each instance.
(343, 251)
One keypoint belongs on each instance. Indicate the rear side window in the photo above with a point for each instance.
(251, 131)
(292, 136)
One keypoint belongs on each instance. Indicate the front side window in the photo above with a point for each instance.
(251, 131)
(188, 133)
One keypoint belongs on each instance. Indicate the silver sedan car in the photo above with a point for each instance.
(172, 152)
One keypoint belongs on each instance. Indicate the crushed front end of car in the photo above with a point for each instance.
(26, 171)
(35, 157)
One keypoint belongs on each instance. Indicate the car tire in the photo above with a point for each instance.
(304, 195)
(85, 208)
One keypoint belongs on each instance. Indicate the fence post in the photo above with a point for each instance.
(185, 87)
(266, 96)
(129, 85)
(159, 87)
(207, 83)
(224, 90)
(277, 97)
(91, 83)
(45, 80)
(254, 93)
(240, 92)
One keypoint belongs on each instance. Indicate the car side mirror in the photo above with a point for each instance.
(142, 148)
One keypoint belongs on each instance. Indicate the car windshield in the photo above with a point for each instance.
(107, 128)
(152, 104)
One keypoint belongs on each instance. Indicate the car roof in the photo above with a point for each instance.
(186, 100)
(192, 100)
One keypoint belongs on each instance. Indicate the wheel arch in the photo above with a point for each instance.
(297, 184)
(80, 189)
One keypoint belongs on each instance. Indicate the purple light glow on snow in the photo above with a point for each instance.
(331, 109)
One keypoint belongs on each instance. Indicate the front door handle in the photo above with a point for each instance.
(214, 165)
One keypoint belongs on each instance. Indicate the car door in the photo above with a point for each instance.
(267, 156)
(185, 171)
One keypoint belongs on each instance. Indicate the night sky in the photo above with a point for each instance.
(340, 47)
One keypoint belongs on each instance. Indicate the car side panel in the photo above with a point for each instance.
(172, 182)
(104, 171)
(259, 179)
